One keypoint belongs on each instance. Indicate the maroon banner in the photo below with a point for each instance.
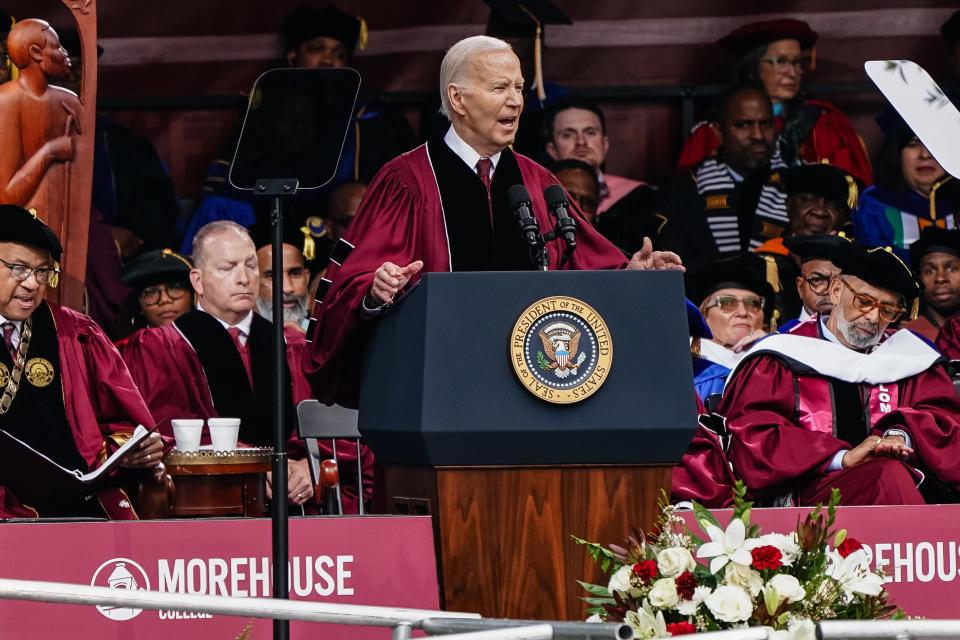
(917, 547)
(382, 561)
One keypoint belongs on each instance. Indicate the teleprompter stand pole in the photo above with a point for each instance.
(278, 189)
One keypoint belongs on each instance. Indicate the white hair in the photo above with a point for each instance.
(455, 67)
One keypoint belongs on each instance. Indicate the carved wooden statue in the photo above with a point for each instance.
(46, 139)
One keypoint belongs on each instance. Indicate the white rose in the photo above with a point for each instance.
(729, 604)
(689, 607)
(674, 561)
(664, 595)
(620, 580)
(787, 587)
(741, 576)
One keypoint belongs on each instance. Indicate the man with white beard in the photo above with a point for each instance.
(838, 402)
(295, 279)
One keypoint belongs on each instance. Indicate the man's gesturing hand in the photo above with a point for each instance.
(389, 279)
(647, 258)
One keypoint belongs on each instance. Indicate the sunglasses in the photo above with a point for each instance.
(864, 303)
(729, 304)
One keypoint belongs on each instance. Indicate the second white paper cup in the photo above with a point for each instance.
(224, 433)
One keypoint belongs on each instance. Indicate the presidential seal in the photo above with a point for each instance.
(561, 349)
(39, 372)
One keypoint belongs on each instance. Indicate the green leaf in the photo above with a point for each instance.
(543, 361)
(594, 589)
(599, 602)
(703, 515)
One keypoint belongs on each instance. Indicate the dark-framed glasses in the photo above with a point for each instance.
(818, 283)
(729, 304)
(864, 303)
(782, 63)
(21, 272)
(152, 295)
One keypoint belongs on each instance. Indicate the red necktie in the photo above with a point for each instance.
(483, 170)
(8, 329)
(235, 333)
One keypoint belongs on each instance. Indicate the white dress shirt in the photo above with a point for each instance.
(244, 325)
(17, 328)
(467, 153)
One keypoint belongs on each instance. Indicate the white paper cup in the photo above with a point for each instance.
(224, 433)
(187, 434)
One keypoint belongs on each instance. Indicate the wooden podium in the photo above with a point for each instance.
(506, 475)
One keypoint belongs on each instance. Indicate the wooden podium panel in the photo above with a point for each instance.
(502, 534)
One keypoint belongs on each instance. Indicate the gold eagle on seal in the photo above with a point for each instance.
(561, 353)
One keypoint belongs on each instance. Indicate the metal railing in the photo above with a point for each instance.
(886, 629)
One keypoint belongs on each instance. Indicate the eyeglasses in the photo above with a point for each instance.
(782, 63)
(20, 272)
(151, 296)
(864, 303)
(729, 304)
(818, 284)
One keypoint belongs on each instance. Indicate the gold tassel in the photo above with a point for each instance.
(853, 195)
(773, 274)
(537, 56)
(170, 253)
(55, 276)
(933, 196)
(364, 34)
(309, 246)
(773, 320)
(915, 309)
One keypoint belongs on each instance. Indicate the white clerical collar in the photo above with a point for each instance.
(244, 325)
(804, 315)
(18, 326)
(467, 153)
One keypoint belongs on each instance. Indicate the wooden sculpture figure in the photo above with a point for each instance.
(39, 123)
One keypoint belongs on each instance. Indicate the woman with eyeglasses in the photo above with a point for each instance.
(737, 304)
(776, 55)
(161, 290)
(912, 191)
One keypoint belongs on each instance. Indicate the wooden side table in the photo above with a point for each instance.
(210, 483)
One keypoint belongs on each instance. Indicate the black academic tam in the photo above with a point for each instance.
(20, 226)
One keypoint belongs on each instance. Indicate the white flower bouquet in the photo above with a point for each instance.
(675, 583)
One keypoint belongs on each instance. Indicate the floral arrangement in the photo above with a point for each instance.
(784, 581)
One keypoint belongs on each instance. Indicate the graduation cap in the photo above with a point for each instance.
(306, 23)
(747, 271)
(757, 34)
(823, 180)
(306, 238)
(934, 239)
(161, 266)
(879, 267)
(525, 19)
(819, 246)
(21, 226)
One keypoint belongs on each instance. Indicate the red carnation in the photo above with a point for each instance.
(848, 546)
(646, 570)
(681, 628)
(766, 557)
(686, 583)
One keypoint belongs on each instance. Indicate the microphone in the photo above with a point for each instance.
(520, 203)
(566, 226)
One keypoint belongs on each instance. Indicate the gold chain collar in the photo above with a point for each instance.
(13, 385)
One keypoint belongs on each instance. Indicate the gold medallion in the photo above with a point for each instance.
(4, 375)
(561, 349)
(39, 372)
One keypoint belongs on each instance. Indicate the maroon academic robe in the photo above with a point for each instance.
(785, 433)
(948, 340)
(703, 474)
(102, 403)
(174, 384)
(400, 220)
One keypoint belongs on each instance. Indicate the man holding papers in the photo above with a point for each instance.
(65, 390)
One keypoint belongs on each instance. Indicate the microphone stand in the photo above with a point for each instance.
(277, 189)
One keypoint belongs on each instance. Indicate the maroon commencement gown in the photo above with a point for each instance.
(948, 340)
(703, 474)
(401, 219)
(785, 434)
(172, 380)
(102, 403)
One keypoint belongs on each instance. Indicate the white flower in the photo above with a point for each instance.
(726, 546)
(741, 576)
(853, 574)
(729, 604)
(645, 624)
(594, 618)
(620, 580)
(787, 544)
(689, 607)
(788, 588)
(663, 594)
(674, 561)
(803, 630)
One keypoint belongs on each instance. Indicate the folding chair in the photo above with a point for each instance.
(315, 421)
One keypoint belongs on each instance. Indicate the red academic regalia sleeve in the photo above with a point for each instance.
(948, 340)
(834, 139)
(703, 475)
(929, 410)
(769, 450)
(384, 229)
